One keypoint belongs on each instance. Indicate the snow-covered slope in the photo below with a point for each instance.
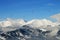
(28, 33)
(43, 23)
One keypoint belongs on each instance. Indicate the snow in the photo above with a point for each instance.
(40, 23)
(35, 23)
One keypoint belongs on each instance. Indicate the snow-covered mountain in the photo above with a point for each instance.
(36, 29)
(27, 33)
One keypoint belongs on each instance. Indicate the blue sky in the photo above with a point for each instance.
(29, 9)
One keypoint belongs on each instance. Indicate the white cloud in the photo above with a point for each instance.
(12, 22)
(50, 4)
(34, 23)
(57, 17)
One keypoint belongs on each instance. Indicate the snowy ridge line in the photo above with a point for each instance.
(21, 22)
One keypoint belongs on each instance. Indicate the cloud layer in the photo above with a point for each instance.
(12, 22)
(57, 17)
(34, 23)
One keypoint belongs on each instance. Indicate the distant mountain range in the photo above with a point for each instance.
(36, 29)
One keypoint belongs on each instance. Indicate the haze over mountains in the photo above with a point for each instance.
(35, 29)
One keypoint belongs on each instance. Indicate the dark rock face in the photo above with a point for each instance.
(58, 32)
(27, 33)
